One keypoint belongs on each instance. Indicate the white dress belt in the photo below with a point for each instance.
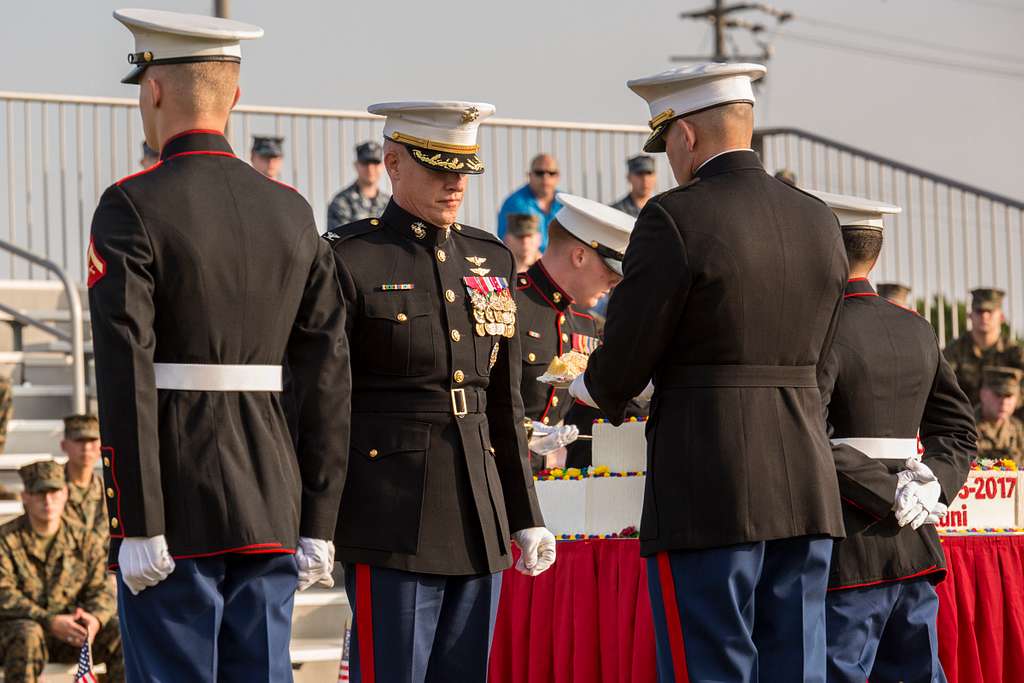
(883, 449)
(197, 377)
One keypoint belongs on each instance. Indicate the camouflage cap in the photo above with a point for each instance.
(641, 163)
(369, 153)
(268, 145)
(1001, 380)
(45, 475)
(81, 427)
(894, 291)
(987, 299)
(522, 224)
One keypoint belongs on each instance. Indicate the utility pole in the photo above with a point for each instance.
(719, 15)
(222, 8)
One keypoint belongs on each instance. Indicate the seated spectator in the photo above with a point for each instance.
(54, 592)
(642, 180)
(895, 292)
(6, 408)
(537, 196)
(1000, 434)
(984, 344)
(267, 155)
(522, 237)
(86, 505)
(149, 156)
(363, 198)
(787, 176)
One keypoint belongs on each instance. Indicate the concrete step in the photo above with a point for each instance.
(38, 402)
(34, 436)
(321, 613)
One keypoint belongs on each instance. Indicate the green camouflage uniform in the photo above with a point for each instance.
(6, 409)
(998, 440)
(87, 508)
(1001, 440)
(968, 360)
(41, 578)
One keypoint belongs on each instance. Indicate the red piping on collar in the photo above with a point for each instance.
(850, 296)
(569, 300)
(274, 180)
(582, 315)
(138, 173)
(216, 153)
(192, 131)
(857, 279)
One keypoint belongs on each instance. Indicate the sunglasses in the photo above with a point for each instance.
(541, 172)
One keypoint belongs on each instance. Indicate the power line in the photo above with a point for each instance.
(996, 5)
(907, 57)
(944, 47)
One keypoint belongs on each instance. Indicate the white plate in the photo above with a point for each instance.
(557, 381)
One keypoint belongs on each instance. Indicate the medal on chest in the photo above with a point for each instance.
(494, 309)
(584, 344)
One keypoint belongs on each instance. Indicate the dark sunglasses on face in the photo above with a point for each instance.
(541, 172)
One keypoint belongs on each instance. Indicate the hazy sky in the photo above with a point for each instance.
(569, 60)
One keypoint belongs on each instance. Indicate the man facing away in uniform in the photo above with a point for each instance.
(205, 276)
(363, 198)
(86, 503)
(984, 344)
(583, 263)
(885, 384)
(1000, 433)
(642, 181)
(54, 592)
(538, 196)
(267, 155)
(741, 502)
(438, 483)
(522, 237)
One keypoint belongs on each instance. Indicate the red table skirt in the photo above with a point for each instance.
(588, 620)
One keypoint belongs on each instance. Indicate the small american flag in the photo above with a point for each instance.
(343, 669)
(84, 673)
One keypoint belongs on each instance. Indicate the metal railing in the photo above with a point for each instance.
(60, 152)
(76, 337)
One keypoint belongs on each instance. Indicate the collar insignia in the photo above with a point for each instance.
(419, 230)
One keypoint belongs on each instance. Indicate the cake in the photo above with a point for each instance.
(569, 365)
(622, 448)
(989, 501)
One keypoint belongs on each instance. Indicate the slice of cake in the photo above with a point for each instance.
(622, 448)
(568, 365)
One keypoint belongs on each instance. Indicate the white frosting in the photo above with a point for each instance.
(622, 448)
(614, 503)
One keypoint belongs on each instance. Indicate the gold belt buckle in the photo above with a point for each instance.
(459, 407)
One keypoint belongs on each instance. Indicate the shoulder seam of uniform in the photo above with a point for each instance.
(352, 230)
(139, 173)
(477, 233)
(678, 188)
(138, 219)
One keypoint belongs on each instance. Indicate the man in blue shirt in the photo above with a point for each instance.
(537, 196)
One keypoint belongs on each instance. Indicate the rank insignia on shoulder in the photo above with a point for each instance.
(397, 287)
(535, 335)
(584, 344)
(331, 236)
(97, 266)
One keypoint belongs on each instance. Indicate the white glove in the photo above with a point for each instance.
(936, 514)
(578, 390)
(547, 439)
(315, 559)
(144, 562)
(918, 492)
(538, 546)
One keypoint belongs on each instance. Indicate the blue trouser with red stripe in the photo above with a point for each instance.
(420, 628)
(214, 619)
(741, 613)
(884, 633)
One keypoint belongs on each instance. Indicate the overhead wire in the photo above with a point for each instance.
(907, 40)
(907, 57)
